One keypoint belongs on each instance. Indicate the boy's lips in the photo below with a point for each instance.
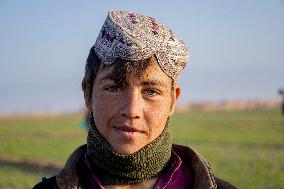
(128, 129)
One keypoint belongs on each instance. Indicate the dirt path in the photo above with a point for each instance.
(33, 166)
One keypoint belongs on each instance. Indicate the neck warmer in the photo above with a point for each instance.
(115, 168)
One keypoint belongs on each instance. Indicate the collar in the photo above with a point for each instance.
(203, 173)
(162, 182)
(68, 178)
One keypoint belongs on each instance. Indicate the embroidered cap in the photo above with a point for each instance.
(133, 36)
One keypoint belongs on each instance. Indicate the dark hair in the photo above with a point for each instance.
(120, 71)
(91, 69)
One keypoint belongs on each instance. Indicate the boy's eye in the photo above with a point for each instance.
(112, 88)
(152, 92)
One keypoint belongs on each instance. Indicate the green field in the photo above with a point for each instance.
(243, 147)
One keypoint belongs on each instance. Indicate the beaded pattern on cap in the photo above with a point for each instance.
(133, 36)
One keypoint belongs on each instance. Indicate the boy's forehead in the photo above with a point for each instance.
(152, 72)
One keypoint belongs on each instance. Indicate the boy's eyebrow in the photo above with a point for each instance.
(154, 82)
(147, 83)
(105, 78)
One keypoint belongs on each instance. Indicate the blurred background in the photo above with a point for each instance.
(236, 49)
(229, 110)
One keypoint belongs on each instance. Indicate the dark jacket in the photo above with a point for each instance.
(72, 176)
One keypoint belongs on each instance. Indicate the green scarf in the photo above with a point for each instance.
(115, 168)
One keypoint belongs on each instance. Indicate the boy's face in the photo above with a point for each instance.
(132, 115)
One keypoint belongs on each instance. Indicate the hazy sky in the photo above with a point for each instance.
(237, 48)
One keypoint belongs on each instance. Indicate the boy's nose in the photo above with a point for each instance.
(132, 104)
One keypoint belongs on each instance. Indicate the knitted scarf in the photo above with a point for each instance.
(115, 168)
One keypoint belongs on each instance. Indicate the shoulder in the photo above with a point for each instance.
(47, 183)
(69, 175)
(202, 171)
(221, 184)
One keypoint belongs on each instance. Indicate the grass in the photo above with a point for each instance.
(243, 147)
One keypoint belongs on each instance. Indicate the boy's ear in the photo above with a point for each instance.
(175, 97)
(88, 101)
